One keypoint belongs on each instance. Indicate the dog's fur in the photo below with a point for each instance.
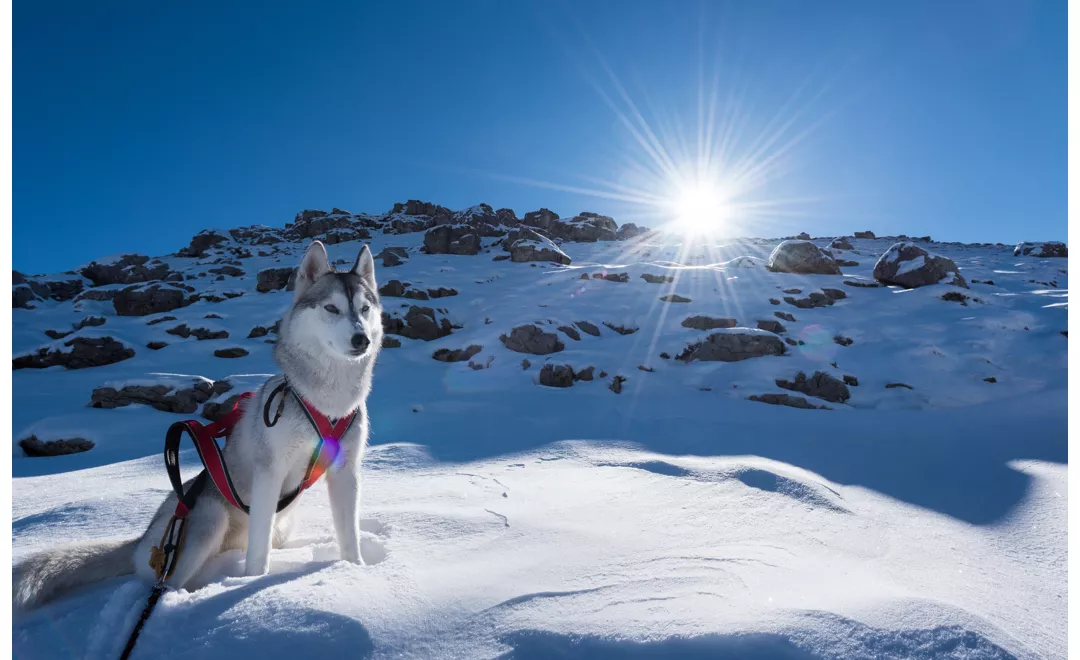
(317, 354)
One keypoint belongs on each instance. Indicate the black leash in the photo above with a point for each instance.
(155, 595)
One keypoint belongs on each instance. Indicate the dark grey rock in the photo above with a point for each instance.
(821, 385)
(801, 257)
(531, 339)
(733, 347)
(910, 266)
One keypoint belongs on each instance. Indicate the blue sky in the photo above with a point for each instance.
(136, 124)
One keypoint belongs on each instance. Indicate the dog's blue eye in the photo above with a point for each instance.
(332, 309)
(365, 309)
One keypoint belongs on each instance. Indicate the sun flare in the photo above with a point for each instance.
(700, 208)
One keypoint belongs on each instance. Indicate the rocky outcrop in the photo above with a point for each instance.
(823, 298)
(392, 256)
(451, 239)
(630, 230)
(418, 323)
(910, 266)
(820, 385)
(527, 245)
(864, 234)
(588, 328)
(202, 242)
(165, 397)
(233, 352)
(457, 354)
(786, 400)
(60, 447)
(740, 344)
(201, 334)
(583, 228)
(841, 244)
(151, 299)
(275, 279)
(557, 375)
(774, 327)
(1050, 249)
(708, 323)
(801, 257)
(531, 339)
(84, 352)
(128, 269)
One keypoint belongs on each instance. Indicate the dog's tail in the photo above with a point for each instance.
(46, 575)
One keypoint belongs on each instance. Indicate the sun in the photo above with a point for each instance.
(700, 208)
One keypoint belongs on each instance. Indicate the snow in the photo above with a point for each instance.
(675, 518)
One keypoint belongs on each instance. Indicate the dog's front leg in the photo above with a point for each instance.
(344, 488)
(265, 488)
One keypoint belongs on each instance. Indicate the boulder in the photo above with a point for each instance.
(419, 323)
(215, 410)
(864, 234)
(392, 256)
(786, 400)
(1045, 250)
(771, 326)
(707, 323)
(910, 266)
(531, 246)
(457, 354)
(630, 230)
(128, 269)
(531, 339)
(841, 243)
(165, 397)
(803, 236)
(583, 228)
(275, 279)
(85, 352)
(543, 219)
(657, 279)
(561, 375)
(588, 328)
(801, 257)
(820, 385)
(202, 242)
(150, 299)
(740, 344)
(675, 298)
(61, 447)
(451, 239)
(233, 352)
(22, 295)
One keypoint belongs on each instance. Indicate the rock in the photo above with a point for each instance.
(774, 301)
(58, 334)
(390, 342)
(85, 352)
(846, 263)
(160, 319)
(570, 332)
(561, 375)
(531, 339)
(657, 279)
(150, 299)
(451, 239)
(642, 367)
(234, 352)
(991, 379)
(457, 354)
(622, 330)
(17, 278)
(588, 328)
(525, 364)
(585, 227)
(345, 235)
(630, 230)
(674, 298)
(910, 266)
(201, 334)
(90, 322)
(39, 448)
(623, 278)
(786, 400)
(851, 380)
(275, 279)
(864, 234)
(543, 219)
(128, 269)
(21, 296)
(803, 236)
(57, 289)
(202, 242)
(419, 323)
(815, 299)
(160, 397)
(616, 384)
(820, 385)
(442, 292)
(708, 323)
(415, 294)
(231, 271)
(1050, 249)
(156, 345)
(860, 284)
(843, 341)
(801, 257)
(585, 374)
(895, 385)
(393, 256)
(733, 347)
(841, 244)
(771, 326)
(392, 289)
(531, 246)
(955, 296)
(215, 410)
(501, 257)
(785, 316)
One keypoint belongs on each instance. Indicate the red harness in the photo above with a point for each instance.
(204, 437)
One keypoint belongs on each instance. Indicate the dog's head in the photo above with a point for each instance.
(339, 312)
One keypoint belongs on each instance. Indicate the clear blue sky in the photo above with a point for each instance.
(136, 124)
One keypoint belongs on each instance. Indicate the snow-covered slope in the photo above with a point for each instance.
(675, 517)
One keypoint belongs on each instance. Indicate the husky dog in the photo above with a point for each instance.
(328, 341)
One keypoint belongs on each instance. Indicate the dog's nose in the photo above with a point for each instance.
(360, 341)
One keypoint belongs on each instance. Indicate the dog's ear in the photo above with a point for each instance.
(314, 265)
(365, 266)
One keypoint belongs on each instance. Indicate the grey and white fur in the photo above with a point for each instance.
(327, 345)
